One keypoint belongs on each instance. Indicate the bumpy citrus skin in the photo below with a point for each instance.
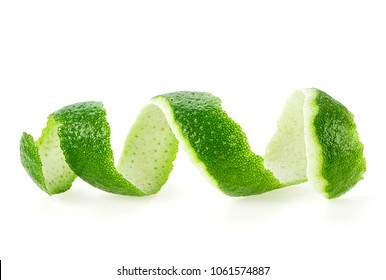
(218, 142)
(343, 163)
(76, 142)
(85, 140)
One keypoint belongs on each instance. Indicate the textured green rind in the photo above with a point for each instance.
(79, 135)
(85, 140)
(343, 161)
(30, 159)
(220, 144)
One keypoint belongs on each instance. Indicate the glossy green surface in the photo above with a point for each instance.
(343, 160)
(76, 142)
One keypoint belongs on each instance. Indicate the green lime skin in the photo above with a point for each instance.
(343, 160)
(219, 142)
(76, 142)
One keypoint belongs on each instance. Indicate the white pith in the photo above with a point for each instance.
(148, 151)
(57, 174)
(294, 153)
(313, 147)
(285, 155)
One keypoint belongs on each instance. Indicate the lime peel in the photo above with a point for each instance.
(306, 146)
(312, 143)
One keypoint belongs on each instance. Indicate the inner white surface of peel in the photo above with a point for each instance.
(313, 147)
(285, 154)
(148, 150)
(294, 153)
(57, 174)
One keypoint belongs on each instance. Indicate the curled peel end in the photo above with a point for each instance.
(30, 159)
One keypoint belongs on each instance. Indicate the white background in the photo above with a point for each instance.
(252, 54)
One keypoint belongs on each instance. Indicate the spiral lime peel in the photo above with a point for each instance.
(316, 140)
